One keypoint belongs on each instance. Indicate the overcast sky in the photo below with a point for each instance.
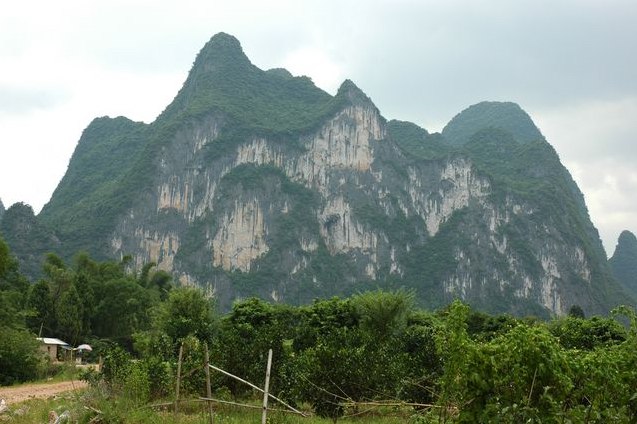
(572, 65)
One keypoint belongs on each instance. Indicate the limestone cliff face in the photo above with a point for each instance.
(257, 183)
(343, 161)
(540, 274)
(237, 231)
(458, 185)
(240, 239)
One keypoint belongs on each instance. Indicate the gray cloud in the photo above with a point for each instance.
(18, 101)
(443, 58)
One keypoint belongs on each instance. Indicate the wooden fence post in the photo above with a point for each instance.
(181, 354)
(208, 388)
(266, 388)
(256, 388)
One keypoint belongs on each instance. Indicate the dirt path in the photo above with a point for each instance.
(13, 395)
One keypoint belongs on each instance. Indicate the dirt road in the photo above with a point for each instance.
(13, 395)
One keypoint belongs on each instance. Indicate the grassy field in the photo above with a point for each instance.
(90, 406)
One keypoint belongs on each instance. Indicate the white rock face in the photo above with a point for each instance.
(159, 248)
(341, 232)
(259, 152)
(174, 195)
(550, 295)
(308, 245)
(460, 282)
(581, 264)
(461, 185)
(337, 161)
(206, 200)
(394, 267)
(241, 237)
(344, 142)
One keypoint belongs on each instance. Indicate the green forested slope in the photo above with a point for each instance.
(624, 261)
(506, 116)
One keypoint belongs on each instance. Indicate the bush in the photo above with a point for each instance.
(115, 368)
(20, 358)
(137, 383)
(160, 376)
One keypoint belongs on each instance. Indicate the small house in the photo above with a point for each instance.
(51, 346)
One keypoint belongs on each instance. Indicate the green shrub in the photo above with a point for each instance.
(20, 358)
(137, 383)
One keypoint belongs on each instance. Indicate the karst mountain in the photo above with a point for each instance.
(259, 183)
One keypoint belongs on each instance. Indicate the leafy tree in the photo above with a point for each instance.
(576, 311)
(249, 331)
(363, 348)
(13, 289)
(69, 316)
(484, 327)
(58, 275)
(161, 282)
(588, 334)
(323, 317)
(84, 286)
(42, 318)
(530, 372)
(384, 313)
(20, 358)
(122, 310)
(186, 312)
(423, 363)
(455, 348)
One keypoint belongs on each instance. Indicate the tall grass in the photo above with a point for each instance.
(91, 406)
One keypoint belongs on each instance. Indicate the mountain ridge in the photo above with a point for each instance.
(256, 182)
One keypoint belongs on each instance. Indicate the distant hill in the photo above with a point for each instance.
(624, 261)
(29, 240)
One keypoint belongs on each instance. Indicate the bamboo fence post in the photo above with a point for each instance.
(208, 388)
(264, 415)
(181, 354)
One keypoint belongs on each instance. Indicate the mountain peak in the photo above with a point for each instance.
(223, 38)
(353, 94)
(624, 261)
(221, 62)
(507, 116)
(221, 51)
(280, 72)
(626, 239)
(1, 209)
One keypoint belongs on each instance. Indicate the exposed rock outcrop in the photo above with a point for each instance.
(259, 183)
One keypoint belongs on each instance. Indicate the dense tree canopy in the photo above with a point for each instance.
(453, 365)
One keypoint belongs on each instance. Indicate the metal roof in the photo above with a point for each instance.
(52, 341)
